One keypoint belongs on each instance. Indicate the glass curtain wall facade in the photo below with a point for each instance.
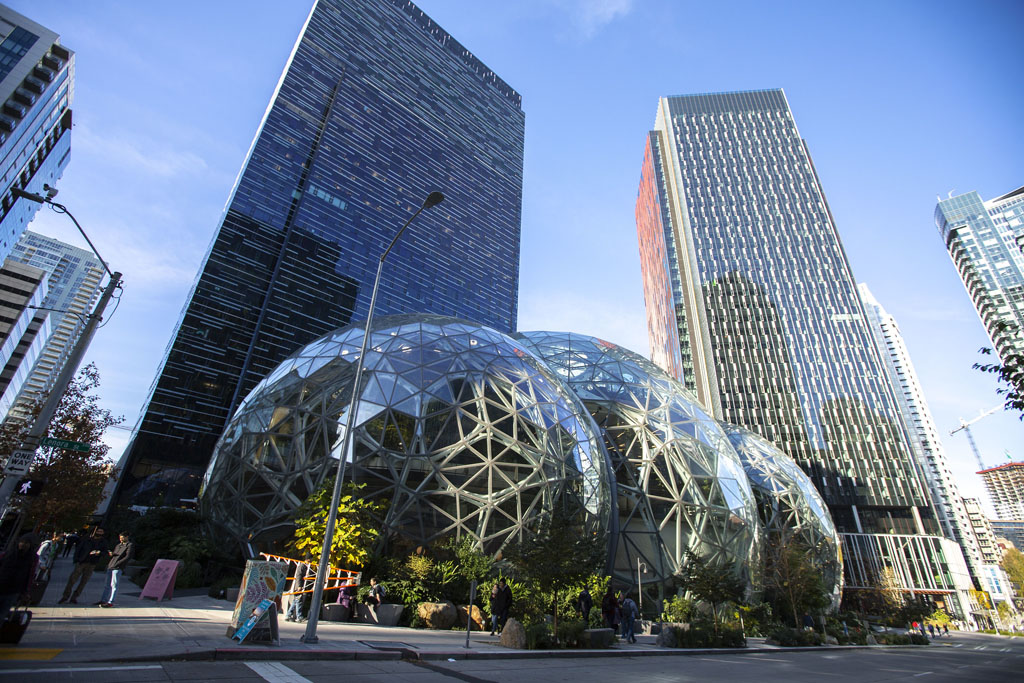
(767, 311)
(73, 277)
(985, 240)
(924, 436)
(36, 90)
(377, 107)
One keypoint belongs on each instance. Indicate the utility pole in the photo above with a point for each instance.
(20, 461)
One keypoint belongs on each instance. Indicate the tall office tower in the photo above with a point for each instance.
(377, 107)
(924, 437)
(750, 275)
(73, 277)
(1005, 485)
(36, 89)
(985, 242)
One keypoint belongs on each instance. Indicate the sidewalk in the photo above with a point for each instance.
(194, 626)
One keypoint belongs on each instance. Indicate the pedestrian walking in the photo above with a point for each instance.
(609, 608)
(16, 571)
(88, 551)
(945, 629)
(120, 556)
(630, 614)
(70, 541)
(501, 603)
(46, 553)
(584, 603)
(295, 609)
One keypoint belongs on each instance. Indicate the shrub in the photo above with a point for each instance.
(678, 609)
(791, 637)
(538, 637)
(570, 632)
(701, 636)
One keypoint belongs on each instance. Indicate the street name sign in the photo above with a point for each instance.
(65, 444)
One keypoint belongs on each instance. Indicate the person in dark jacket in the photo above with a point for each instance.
(16, 570)
(88, 551)
(120, 556)
(501, 602)
(584, 603)
(610, 609)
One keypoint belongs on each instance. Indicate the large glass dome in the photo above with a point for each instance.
(680, 485)
(460, 428)
(790, 508)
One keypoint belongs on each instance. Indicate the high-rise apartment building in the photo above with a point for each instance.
(743, 265)
(1005, 485)
(73, 285)
(993, 577)
(985, 242)
(377, 107)
(924, 436)
(36, 89)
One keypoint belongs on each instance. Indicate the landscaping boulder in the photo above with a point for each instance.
(831, 640)
(668, 636)
(871, 640)
(386, 614)
(437, 615)
(597, 638)
(479, 620)
(513, 635)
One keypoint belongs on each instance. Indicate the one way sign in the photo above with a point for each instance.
(19, 462)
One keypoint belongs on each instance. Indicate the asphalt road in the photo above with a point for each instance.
(966, 657)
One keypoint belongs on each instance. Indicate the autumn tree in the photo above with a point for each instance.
(74, 480)
(354, 530)
(1013, 564)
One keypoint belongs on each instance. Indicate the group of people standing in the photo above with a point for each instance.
(88, 552)
(616, 610)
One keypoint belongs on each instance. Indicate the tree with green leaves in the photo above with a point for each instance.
(355, 530)
(561, 554)
(74, 480)
(709, 584)
(1013, 565)
(793, 585)
(1009, 371)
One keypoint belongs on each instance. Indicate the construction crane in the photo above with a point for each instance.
(966, 427)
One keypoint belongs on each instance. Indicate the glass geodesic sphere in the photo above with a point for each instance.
(790, 507)
(459, 428)
(680, 485)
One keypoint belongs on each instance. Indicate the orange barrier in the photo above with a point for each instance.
(341, 578)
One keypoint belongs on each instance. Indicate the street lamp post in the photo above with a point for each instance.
(433, 199)
(42, 421)
(639, 585)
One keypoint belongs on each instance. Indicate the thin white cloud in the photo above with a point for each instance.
(623, 324)
(590, 16)
(147, 157)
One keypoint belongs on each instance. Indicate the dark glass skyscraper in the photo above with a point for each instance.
(377, 107)
(752, 303)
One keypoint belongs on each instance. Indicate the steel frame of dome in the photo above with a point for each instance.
(459, 427)
(790, 507)
(680, 484)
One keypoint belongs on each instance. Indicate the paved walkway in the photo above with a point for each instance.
(194, 626)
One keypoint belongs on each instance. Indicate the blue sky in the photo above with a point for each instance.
(899, 101)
